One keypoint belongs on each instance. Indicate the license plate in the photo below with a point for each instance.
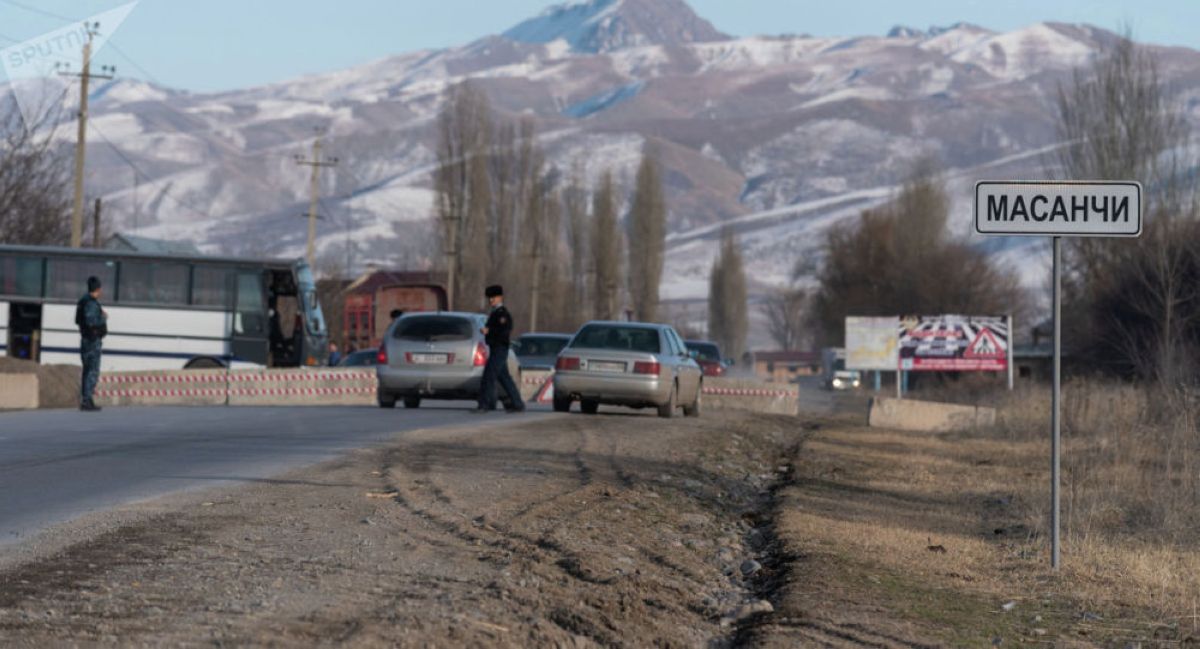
(606, 366)
(429, 359)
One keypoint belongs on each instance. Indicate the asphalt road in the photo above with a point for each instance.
(56, 465)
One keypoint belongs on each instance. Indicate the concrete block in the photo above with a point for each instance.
(162, 388)
(18, 391)
(303, 387)
(928, 416)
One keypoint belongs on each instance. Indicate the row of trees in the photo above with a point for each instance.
(1131, 307)
(508, 217)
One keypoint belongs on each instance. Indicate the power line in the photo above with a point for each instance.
(9, 39)
(137, 170)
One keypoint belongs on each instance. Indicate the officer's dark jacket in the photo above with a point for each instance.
(90, 318)
(499, 327)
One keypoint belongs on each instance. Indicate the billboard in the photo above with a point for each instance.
(872, 344)
(952, 343)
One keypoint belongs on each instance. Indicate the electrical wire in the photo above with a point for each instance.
(137, 170)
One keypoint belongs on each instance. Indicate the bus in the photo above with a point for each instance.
(165, 311)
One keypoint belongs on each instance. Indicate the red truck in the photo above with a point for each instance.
(371, 299)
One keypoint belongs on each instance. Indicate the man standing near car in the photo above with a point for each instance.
(92, 321)
(497, 333)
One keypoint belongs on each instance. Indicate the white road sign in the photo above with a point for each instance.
(1059, 208)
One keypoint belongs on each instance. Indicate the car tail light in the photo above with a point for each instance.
(566, 363)
(646, 367)
(381, 356)
(481, 355)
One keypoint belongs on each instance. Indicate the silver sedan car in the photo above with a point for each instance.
(628, 364)
(436, 355)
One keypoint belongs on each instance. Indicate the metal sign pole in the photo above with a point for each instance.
(1056, 411)
(1012, 337)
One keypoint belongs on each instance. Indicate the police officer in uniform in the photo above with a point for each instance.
(93, 327)
(498, 333)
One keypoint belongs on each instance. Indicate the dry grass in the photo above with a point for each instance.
(876, 502)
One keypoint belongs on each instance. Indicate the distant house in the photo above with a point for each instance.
(784, 366)
(134, 243)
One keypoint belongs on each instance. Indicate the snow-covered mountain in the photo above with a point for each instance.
(779, 136)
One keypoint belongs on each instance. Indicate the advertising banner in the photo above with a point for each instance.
(952, 343)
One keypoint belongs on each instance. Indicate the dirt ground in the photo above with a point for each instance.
(738, 529)
(570, 531)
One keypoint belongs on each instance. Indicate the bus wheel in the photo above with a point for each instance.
(204, 363)
(386, 400)
(412, 403)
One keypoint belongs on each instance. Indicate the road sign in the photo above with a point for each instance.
(872, 344)
(1057, 210)
(1062, 209)
(954, 343)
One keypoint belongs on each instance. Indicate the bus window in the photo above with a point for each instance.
(66, 279)
(211, 286)
(153, 283)
(21, 276)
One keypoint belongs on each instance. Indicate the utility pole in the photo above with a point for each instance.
(96, 225)
(314, 189)
(106, 72)
(451, 258)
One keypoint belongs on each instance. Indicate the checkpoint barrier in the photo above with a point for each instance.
(18, 391)
(271, 387)
(719, 393)
(928, 416)
(318, 387)
(747, 394)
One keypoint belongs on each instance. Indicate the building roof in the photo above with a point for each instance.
(373, 280)
(135, 243)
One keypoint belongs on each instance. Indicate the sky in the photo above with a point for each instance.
(229, 44)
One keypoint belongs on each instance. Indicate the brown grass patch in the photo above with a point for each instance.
(940, 531)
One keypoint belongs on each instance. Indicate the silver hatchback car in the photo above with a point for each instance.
(436, 355)
(632, 364)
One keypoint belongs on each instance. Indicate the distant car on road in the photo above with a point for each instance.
(539, 351)
(633, 364)
(362, 358)
(434, 356)
(845, 380)
(708, 355)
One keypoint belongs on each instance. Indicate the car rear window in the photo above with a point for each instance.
(706, 351)
(542, 345)
(634, 339)
(434, 328)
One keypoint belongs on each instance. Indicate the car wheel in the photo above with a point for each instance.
(412, 403)
(562, 404)
(667, 410)
(589, 407)
(386, 400)
(694, 409)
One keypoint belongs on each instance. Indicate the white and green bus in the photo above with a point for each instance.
(164, 311)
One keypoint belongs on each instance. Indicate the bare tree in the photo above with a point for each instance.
(35, 192)
(1135, 303)
(879, 267)
(578, 239)
(606, 248)
(784, 310)
(463, 189)
(728, 320)
(647, 228)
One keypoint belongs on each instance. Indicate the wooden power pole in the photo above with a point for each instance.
(314, 189)
(106, 72)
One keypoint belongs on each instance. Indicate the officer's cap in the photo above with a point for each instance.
(495, 290)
